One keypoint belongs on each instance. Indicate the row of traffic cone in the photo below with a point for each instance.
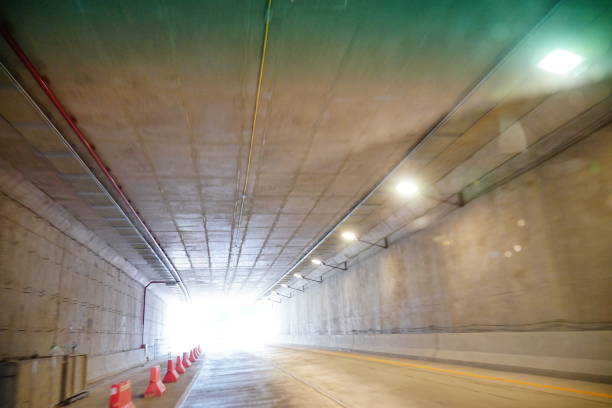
(121, 393)
(156, 388)
(178, 368)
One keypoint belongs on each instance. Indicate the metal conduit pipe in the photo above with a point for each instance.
(260, 77)
(157, 249)
(144, 307)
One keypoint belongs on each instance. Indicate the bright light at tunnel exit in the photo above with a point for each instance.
(221, 323)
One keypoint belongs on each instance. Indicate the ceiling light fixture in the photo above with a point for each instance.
(350, 236)
(297, 275)
(560, 62)
(284, 285)
(341, 266)
(408, 188)
(280, 294)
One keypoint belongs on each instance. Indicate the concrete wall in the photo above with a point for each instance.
(519, 278)
(57, 290)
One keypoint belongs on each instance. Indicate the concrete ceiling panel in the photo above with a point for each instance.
(167, 96)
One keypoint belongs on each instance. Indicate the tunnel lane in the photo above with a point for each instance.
(297, 377)
(241, 379)
(454, 372)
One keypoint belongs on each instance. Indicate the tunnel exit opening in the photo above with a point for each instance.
(221, 323)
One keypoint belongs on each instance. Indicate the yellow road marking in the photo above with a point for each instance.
(451, 371)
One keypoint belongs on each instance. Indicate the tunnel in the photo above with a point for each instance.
(305, 203)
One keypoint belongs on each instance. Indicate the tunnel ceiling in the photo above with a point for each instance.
(166, 93)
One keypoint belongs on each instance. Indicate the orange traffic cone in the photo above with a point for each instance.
(155, 388)
(171, 374)
(179, 366)
(186, 362)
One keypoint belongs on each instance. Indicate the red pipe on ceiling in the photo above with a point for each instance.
(42, 82)
(69, 119)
